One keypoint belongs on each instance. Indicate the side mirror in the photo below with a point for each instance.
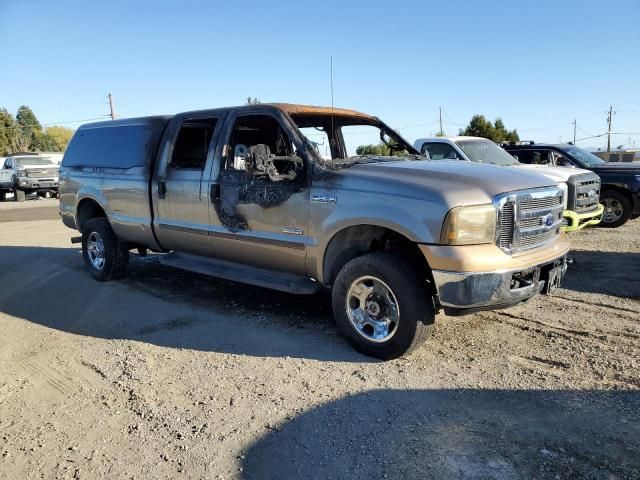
(427, 154)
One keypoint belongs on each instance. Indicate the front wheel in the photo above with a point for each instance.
(105, 256)
(382, 305)
(617, 209)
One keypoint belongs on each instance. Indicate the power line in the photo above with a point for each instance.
(605, 134)
(451, 120)
(585, 132)
(417, 125)
(54, 123)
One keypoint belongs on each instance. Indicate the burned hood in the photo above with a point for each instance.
(455, 182)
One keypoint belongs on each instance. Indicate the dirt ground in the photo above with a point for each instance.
(168, 374)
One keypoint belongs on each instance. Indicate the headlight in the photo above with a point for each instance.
(469, 225)
(565, 193)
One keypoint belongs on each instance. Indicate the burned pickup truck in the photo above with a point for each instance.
(273, 195)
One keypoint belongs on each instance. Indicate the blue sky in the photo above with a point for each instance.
(538, 65)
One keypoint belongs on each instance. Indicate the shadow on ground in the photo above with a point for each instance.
(610, 273)
(167, 307)
(444, 434)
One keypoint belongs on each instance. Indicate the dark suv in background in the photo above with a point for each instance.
(620, 193)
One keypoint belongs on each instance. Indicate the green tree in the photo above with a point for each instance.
(479, 126)
(379, 149)
(7, 132)
(29, 131)
(57, 138)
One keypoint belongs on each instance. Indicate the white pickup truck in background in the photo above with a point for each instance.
(581, 187)
(28, 173)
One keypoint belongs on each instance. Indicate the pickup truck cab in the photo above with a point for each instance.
(581, 187)
(28, 173)
(243, 193)
(620, 193)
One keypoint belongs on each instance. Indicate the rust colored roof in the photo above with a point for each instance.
(295, 109)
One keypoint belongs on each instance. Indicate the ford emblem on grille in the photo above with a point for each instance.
(548, 220)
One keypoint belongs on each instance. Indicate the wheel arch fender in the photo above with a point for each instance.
(350, 232)
(90, 204)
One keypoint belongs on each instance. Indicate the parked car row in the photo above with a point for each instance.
(581, 187)
(620, 194)
(454, 224)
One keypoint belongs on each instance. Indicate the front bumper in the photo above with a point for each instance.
(573, 221)
(34, 183)
(464, 292)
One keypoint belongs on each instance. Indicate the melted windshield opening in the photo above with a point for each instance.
(349, 140)
(485, 151)
(587, 159)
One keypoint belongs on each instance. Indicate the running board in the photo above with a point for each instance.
(285, 282)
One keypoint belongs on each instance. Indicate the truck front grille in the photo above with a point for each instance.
(41, 173)
(584, 192)
(528, 219)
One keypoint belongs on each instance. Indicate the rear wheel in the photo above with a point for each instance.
(105, 256)
(382, 306)
(20, 196)
(617, 209)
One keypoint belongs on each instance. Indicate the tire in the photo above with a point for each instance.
(415, 307)
(20, 196)
(3, 196)
(620, 206)
(634, 216)
(114, 255)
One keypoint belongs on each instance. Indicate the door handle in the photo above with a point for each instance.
(215, 192)
(162, 188)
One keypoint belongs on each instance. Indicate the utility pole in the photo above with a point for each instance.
(609, 118)
(441, 132)
(113, 112)
(574, 131)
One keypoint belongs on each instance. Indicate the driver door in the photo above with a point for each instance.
(257, 221)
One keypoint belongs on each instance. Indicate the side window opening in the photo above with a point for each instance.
(261, 147)
(540, 157)
(192, 144)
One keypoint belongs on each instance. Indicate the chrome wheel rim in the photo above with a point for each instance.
(95, 250)
(613, 210)
(372, 309)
